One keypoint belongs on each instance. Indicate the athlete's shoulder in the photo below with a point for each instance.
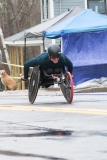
(63, 55)
(44, 54)
(64, 58)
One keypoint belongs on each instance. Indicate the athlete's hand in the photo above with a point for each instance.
(22, 78)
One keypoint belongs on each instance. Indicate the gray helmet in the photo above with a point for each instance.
(54, 49)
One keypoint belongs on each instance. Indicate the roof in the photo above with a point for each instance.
(35, 33)
(38, 30)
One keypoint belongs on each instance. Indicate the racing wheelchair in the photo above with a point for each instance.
(40, 78)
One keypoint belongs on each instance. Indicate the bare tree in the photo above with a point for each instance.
(18, 15)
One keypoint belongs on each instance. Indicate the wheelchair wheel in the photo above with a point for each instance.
(67, 87)
(33, 86)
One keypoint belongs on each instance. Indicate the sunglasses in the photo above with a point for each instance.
(55, 56)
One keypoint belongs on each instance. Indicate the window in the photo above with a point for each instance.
(97, 5)
(47, 8)
(43, 9)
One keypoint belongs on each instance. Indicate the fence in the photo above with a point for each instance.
(16, 56)
(14, 71)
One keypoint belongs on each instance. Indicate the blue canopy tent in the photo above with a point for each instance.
(84, 41)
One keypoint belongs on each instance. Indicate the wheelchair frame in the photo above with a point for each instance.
(39, 78)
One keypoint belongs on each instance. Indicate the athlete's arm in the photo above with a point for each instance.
(68, 63)
(31, 63)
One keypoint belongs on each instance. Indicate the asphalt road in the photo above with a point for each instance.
(51, 128)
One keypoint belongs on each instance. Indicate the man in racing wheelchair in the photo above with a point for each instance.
(52, 62)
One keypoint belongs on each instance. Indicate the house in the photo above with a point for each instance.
(52, 8)
(99, 6)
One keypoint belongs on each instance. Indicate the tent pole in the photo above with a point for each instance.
(25, 50)
(43, 43)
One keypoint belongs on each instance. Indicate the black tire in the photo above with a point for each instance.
(33, 86)
(67, 87)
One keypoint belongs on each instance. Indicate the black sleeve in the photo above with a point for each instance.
(31, 63)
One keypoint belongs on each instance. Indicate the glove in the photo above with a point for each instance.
(22, 78)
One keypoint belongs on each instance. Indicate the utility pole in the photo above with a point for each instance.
(52, 14)
(4, 48)
(0, 56)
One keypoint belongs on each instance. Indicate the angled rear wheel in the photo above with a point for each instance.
(67, 87)
(33, 86)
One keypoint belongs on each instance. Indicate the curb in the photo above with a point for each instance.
(91, 90)
(86, 90)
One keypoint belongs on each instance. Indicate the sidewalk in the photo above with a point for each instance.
(92, 90)
(51, 90)
(25, 92)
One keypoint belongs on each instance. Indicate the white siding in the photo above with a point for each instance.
(67, 4)
(58, 9)
(47, 41)
(64, 6)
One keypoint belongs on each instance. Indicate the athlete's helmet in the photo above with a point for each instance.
(54, 50)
